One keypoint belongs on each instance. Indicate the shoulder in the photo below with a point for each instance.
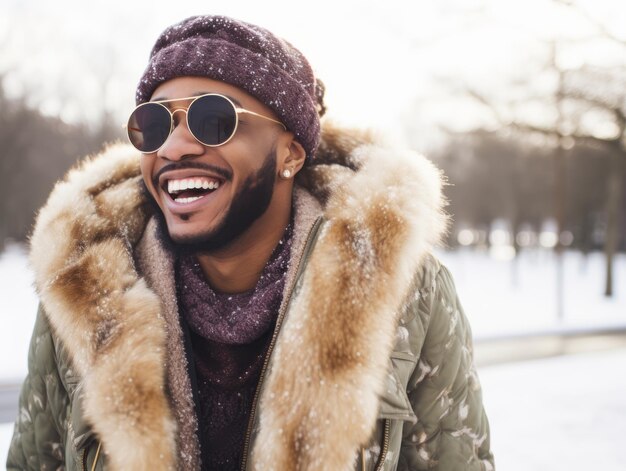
(427, 273)
(48, 353)
(433, 291)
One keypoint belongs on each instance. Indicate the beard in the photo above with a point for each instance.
(248, 204)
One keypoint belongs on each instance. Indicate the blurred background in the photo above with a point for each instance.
(522, 104)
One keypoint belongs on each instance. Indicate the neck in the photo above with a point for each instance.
(238, 267)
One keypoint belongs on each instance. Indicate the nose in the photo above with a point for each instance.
(180, 142)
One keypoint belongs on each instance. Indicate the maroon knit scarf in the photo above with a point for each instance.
(230, 334)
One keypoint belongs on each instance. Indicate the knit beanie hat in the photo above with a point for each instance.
(247, 56)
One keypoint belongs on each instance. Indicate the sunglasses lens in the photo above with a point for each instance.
(212, 119)
(149, 126)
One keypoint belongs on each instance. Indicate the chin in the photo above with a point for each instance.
(188, 235)
(187, 240)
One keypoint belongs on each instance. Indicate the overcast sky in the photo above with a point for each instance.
(381, 61)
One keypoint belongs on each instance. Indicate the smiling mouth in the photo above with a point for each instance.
(190, 189)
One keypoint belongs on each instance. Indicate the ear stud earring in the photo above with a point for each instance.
(286, 173)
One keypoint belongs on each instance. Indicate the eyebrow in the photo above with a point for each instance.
(233, 99)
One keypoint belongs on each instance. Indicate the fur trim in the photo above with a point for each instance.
(385, 212)
(157, 266)
(103, 312)
(340, 330)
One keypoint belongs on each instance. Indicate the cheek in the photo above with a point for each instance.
(247, 155)
(146, 166)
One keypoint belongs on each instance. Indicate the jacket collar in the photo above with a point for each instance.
(156, 264)
(384, 212)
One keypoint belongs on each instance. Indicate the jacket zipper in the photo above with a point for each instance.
(383, 453)
(95, 460)
(281, 314)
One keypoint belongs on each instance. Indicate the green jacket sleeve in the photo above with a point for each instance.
(452, 431)
(40, 425)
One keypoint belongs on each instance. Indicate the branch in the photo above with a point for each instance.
(597, 24)
(484, 101)
(579, 138)
(598, 103)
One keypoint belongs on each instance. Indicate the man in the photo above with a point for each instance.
(244, 289)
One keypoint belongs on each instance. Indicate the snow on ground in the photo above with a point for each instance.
(501, 297)
(564, 413)
(6, 432)
(491, 300)
(18, 308)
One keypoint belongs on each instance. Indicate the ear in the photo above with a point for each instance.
(292, 155)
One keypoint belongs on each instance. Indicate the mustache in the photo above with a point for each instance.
(222, 172)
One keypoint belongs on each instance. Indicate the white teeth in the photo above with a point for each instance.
(174, 186)
(188, 200)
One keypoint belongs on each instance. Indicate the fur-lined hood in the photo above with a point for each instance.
(384, 211)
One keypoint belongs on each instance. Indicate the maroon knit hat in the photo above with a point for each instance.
(244, 55)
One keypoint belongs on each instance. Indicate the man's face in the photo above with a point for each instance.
(244, 171)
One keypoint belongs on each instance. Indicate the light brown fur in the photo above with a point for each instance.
(321, 399)
(385, 212)
(102, 311)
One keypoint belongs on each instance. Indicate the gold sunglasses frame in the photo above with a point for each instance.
(193, 99)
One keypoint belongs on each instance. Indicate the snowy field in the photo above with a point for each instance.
(559, 414)
(495, 301)
(503, 297)
(18, 307)
(565, 413)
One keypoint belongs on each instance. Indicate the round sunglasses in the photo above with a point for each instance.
(212, 119)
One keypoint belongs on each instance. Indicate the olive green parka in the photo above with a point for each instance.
(370, 366)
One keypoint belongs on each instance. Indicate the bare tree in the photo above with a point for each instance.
(581, 96)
